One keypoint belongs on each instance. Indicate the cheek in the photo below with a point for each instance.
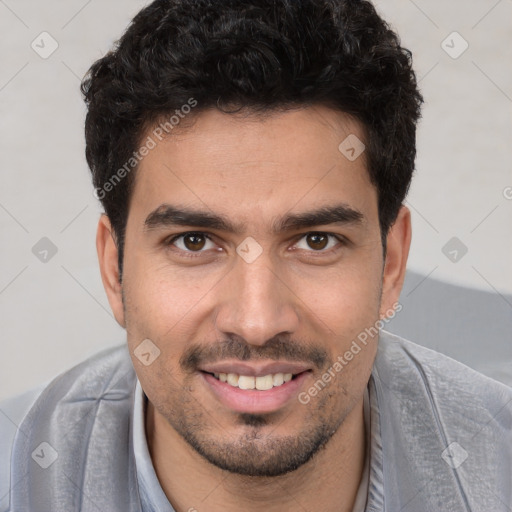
(160, 303)
(168, 309)
(346, 298)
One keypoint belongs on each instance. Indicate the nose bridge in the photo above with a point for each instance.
(257, 305)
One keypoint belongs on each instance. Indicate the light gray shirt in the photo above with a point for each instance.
(152, 496)
(440, 438)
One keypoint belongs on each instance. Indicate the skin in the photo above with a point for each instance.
(253, 171)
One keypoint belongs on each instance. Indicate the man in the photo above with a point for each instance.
(252, 158)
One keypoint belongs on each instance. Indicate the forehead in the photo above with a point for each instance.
(254, 168)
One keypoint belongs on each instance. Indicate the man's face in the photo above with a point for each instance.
(273, 290)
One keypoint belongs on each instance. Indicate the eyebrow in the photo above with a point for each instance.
(168, 216)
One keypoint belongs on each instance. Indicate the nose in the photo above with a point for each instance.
(257, 303)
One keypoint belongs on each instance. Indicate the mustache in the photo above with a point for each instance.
(276, 348)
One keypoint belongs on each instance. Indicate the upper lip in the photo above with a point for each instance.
(255, 369)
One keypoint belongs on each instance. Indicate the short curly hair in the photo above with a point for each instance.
(260, 56)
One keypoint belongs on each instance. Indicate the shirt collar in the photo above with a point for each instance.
(152, 496)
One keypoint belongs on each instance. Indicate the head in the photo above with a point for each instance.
(239, 231)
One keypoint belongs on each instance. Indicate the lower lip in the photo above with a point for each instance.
(252, 401)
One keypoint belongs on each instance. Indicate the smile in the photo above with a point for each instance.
(263, 383)
(253, 394)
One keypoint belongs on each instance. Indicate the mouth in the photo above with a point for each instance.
(262, 383)
(267, 392)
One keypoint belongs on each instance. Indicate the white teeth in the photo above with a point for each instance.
(246, 382)
(232, 379)
(262, 383)
(278, 379)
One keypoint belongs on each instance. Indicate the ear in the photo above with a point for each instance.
(108, 259)
(397, 251)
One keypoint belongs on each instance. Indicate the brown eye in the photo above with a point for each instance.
(317, 241)
(194, 241)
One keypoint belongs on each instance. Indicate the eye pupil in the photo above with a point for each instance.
(194, 241)
(317, 241)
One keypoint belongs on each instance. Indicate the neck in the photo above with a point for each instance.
(328, 482)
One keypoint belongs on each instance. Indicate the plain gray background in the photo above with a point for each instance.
(55, 313)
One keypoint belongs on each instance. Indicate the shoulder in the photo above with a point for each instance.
(418, 374)
(444, 428)
(440, 373)
(12, 412)
(93, 374)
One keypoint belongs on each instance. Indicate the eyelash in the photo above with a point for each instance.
(342, 241)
